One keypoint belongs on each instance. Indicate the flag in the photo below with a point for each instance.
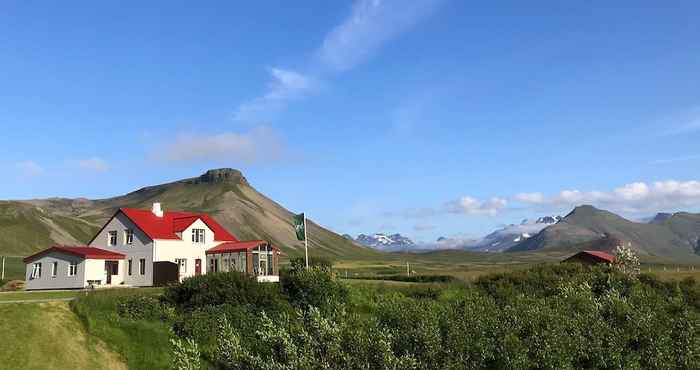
(300, 226)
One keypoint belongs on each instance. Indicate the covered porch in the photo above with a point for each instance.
(256, 257)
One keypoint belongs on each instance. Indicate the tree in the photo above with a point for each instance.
(626, 260)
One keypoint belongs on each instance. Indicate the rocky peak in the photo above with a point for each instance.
(223, 175)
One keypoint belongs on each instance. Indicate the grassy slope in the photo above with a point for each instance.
(143, 344)
(48, 336)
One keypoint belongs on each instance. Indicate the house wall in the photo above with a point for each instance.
(95, 270)
(142, 247)
(170, 250)
(61, 280)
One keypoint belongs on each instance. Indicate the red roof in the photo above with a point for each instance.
(237, 246)
(84, 252)
(171, 223)
(600, 255)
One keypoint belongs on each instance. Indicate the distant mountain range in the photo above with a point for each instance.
(387, 243)
(668, 235)
(511, 235)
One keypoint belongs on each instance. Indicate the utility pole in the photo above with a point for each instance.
(3, 268)
(408, 269)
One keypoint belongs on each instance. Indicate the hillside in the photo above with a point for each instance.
(28, 226)
(676, 237)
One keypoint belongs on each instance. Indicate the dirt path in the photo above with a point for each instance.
(49, 336)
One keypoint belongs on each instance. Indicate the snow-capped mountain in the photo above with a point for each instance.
(511, 235)
(385, 242)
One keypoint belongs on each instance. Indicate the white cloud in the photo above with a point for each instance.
(472, 206)
(682, 123)
(93, 164)
(284, 86)
(259, 145)
(631, 198)
(370, 24)
(29, 168)
(673, 160)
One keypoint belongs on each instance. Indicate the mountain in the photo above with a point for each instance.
(31, 225)
(660, 218)
(383, 242)
(678, 236)
(508, 236)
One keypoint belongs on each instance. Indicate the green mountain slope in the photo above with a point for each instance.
(225, 194)
(586, 226)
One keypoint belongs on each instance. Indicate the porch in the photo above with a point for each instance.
(257, 257)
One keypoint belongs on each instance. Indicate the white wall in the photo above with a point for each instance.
(170, 250)
(61, 280)
(142, 247)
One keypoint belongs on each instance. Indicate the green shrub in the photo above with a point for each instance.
(314, 287)
(232, 288)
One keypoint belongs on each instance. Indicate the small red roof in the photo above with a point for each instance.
(171, 223)
(84, 252)
(601, 255)
(237, 246)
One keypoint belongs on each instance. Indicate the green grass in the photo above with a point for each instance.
(39, 295)
(49, 336)
(143, 344)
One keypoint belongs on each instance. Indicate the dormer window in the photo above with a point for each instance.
(198, 236)
(128, 237)
(112, 238)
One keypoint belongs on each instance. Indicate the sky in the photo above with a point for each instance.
(426, 117)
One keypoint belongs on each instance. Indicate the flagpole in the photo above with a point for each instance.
(306, 242)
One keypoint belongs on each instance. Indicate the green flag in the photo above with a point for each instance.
(300, 226)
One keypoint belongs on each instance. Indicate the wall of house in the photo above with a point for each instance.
(61, 280)
(170, 250)
(95, 270)
(142, 247)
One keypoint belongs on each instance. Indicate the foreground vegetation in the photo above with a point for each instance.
(559, 316)
(48, 336)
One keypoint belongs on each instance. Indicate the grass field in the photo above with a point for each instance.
(14, 268)
(39, 295)
(49, 336)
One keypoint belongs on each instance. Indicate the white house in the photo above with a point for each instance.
(151, 247)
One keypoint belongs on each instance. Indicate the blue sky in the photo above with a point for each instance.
(430, 118)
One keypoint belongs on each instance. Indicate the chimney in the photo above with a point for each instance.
(156, 210)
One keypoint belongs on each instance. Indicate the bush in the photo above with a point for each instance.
(232, 288)
(313, 287)
(141, 307)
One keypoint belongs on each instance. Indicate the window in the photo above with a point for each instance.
(36, 271)
(198, 236)
(181, 265)
(142, 266)
(129, 267)
(72, 269)
(54, 269)
(128, 237)
(112, 238)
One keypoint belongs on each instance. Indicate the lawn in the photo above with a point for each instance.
(49, 336)
(14, 268)
(39, 295)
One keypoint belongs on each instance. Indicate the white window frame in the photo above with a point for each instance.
(54, 269)
(129, 236)
(72, 268)
(36, 271)
(142, 266)
(109, 238)
(199, 236)
(181, 265)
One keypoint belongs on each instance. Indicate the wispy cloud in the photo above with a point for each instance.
(630, 198)
(258, 145)
(29, 168)
(284, 86)
(674, 160)
(93, 164)
(371, 24)
(473, 206)
(682, 123)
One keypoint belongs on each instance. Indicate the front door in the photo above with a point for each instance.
(111, 268)
(198, 266)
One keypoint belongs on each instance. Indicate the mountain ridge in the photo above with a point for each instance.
(223, 193)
